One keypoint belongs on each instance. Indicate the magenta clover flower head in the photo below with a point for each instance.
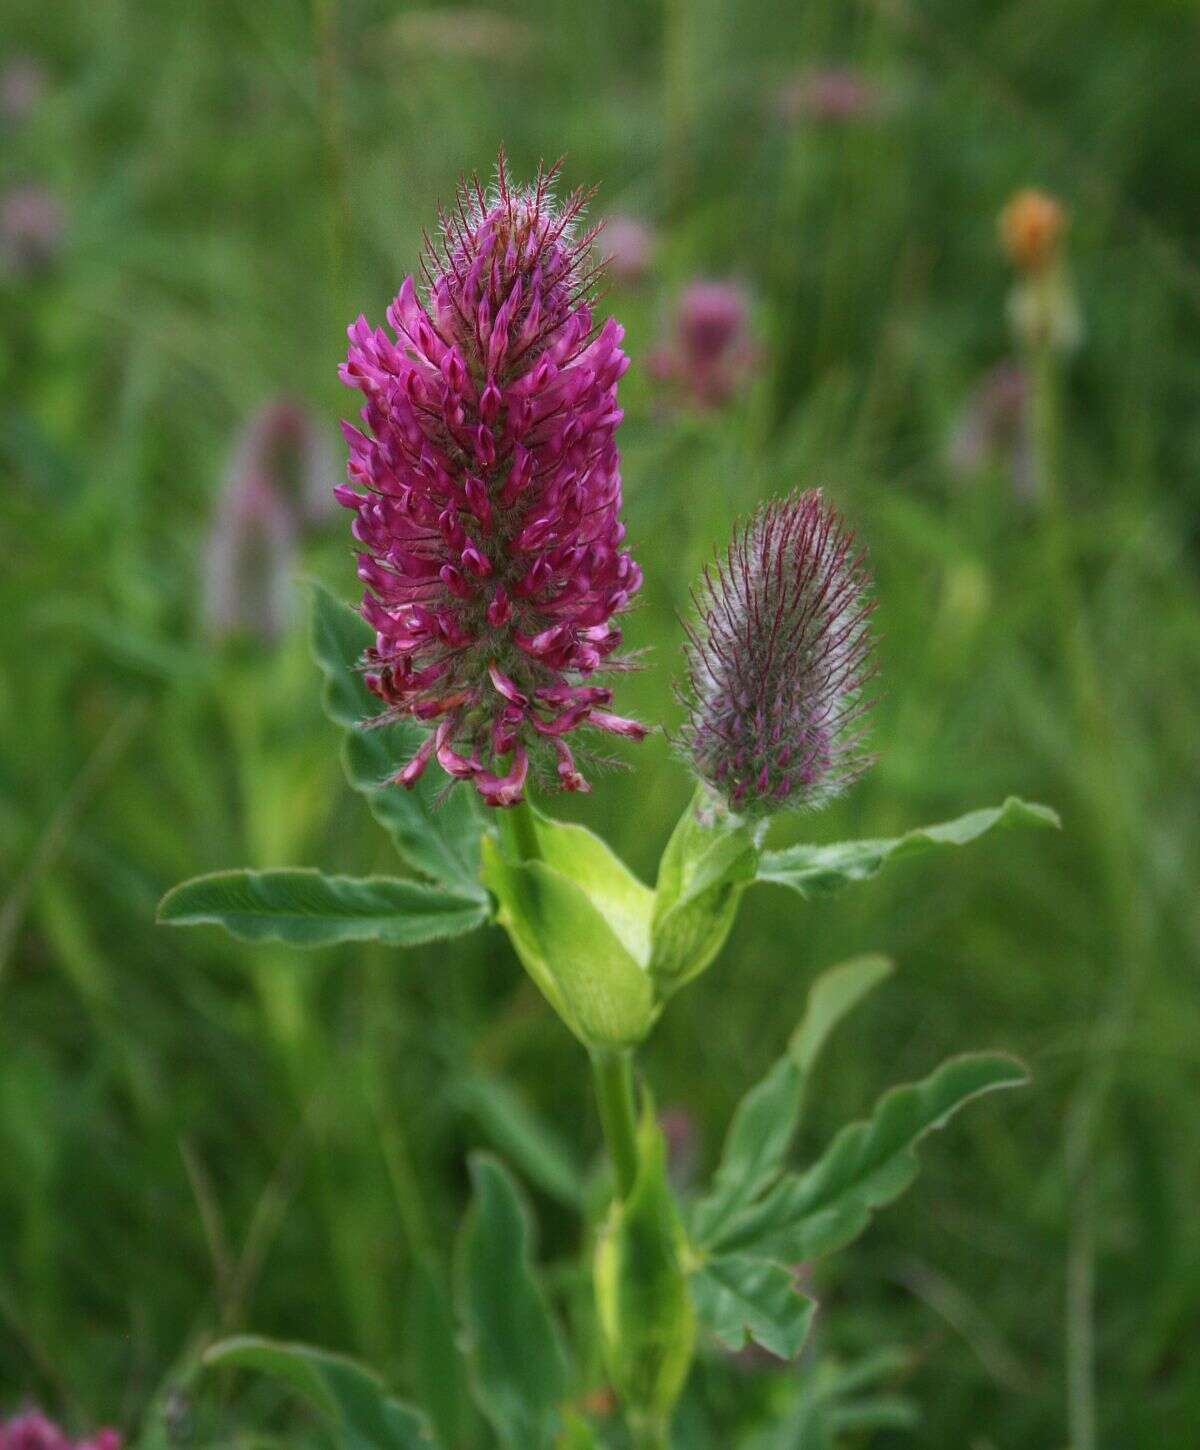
(489, 521)
(778, 657)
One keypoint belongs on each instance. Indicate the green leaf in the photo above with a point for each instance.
(436, 832)
(517, 1131)
(708, 862)
(579, 922)
(833, 996)
(814, 870)
(767, 1117)
(742, 1298)
(513, 1343)
(351, 1398)
(439, 1371)
(867, 1165)
(309, 909)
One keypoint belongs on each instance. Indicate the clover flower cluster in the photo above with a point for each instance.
(709, 354)
(777, 660)
(486, 490)
(31, 1430)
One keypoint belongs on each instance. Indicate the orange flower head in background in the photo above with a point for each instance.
(1031, 228)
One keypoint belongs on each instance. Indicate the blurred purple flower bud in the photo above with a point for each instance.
(248, 563)
(32, 227)
(31, 1430)
(286, 445)
(831, 96)
(23, 86)
(778, 657)
(992, 430)
(683, 1146)
(710, 355)
(629, 245)
(490, 523)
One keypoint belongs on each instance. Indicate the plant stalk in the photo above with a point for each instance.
(518, 832)
(612, 1073)
(650, 1435)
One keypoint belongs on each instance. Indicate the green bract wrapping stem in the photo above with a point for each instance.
(647, 1322)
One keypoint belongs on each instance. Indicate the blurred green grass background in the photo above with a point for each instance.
(239, 180)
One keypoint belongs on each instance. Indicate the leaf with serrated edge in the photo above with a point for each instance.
(437, 836)
(867, 1165)
(308, 909)
(814, 870)
(743, 1298)
(513, 1344)
(351, 1397)
(767, 1117)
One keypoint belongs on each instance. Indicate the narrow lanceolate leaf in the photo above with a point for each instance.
(513, 1344)
(767, 1117)
(308, 909)
(353, 1400)
(437, 836)
(866, 1166)
(742, 1298)
(814, 870)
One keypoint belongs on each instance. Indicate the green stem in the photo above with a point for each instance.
(518, 832)
(612, 1073)
(650, 1434)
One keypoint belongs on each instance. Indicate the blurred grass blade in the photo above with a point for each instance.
(521, 1135)
(520, 1369)
(867, 1165)
(743, 1299)
(351, 1398)
(438, 837)
(766, 1119)
(309, 909)
(815, 870)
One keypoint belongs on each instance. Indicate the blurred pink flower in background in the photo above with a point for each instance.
(31, 1430)
(683, 1145)
(276, 485)
(284, 443)
(629, 245)
(32, 228)
(248, 563)
(830, 96)
(709, 354)
(23, 86)
(992, 429)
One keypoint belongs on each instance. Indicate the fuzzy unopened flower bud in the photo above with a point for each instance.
(1032, 225)
(490, 522)
(778, 657)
